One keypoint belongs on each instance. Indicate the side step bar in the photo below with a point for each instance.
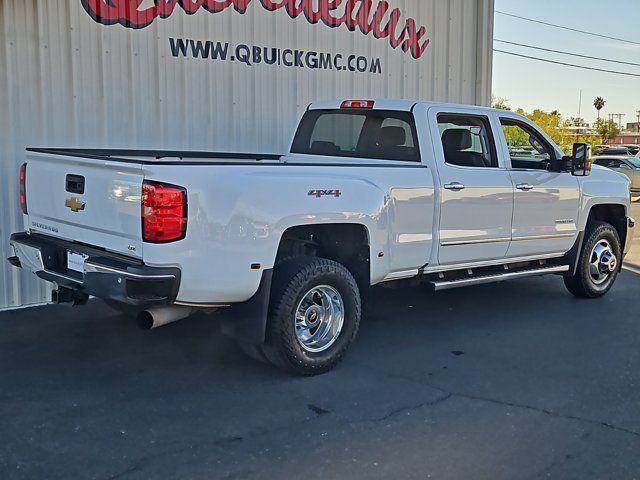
(480, 280)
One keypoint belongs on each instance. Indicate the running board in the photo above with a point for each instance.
(480, 280)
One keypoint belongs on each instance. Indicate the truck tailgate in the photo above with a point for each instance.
(95, 202)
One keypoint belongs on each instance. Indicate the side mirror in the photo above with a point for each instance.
(581, 160)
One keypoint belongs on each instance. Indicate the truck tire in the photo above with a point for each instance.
(314, 315)
(598, 264)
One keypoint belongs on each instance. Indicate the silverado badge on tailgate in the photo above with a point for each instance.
(74, 204)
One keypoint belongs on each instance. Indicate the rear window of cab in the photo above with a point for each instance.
(367, 134)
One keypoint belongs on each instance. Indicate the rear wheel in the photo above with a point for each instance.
(599, 262)
(314, 315)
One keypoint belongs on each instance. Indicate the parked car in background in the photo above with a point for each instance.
(629, 166)
(633, 149)
(617, 150)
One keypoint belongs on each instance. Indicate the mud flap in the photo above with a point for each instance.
(572, 257)
(247, 322)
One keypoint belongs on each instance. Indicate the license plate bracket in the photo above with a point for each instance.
(75, 261)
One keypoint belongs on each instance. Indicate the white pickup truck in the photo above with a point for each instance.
(371, 192)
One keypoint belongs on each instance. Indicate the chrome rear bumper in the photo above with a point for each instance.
(105, 275)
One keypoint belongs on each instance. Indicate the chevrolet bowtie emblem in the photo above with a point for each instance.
(74, 204)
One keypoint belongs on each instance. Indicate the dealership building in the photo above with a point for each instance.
(222, 75)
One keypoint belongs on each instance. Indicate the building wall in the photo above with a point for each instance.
(73, 73)
(626, 139)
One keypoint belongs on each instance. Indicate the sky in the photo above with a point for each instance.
(531, 84)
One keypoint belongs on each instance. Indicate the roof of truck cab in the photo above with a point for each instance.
(397, 104)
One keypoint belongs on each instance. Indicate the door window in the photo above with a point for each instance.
(467, 141)
(604, 162)
(612, 163)
(527, 148)
(620, 164)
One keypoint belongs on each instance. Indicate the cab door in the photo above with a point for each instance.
(546, 203)
(476, 192)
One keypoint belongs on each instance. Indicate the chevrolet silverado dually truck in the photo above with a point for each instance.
(371, 192)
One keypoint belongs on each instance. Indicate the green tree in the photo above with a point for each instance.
(552, 124)
(515, 136)
(607, 129)
(595, 142)
(599, 103)
(576, 122)
(556, 127)
(500, 103)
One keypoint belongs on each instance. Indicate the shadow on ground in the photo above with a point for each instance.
(513, 380)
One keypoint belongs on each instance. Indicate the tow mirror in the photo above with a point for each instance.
(581, 160)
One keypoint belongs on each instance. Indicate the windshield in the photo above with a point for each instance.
(635, 161)
(371, 134)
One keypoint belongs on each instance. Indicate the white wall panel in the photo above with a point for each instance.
(69, 81)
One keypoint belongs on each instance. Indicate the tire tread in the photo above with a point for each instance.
(578, 284)
(281, 348)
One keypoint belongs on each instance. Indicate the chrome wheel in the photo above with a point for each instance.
(319, 318)
(602, 263)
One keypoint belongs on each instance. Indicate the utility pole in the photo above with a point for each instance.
(638, 124)
(580, 105)
(619, 116)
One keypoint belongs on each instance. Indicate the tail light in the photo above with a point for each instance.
(366, 104)
(164, 212)
(23, 188)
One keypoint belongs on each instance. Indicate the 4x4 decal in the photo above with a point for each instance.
(325, 193)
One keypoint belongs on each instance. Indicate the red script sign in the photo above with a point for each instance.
(379, 20)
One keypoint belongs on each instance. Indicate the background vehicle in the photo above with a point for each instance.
(633, 149)
(616, 151)
(371, 192)
(629, 166)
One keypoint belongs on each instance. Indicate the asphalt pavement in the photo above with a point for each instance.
(516, 380)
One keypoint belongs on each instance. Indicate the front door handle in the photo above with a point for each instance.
(525, 187)
(455, 186)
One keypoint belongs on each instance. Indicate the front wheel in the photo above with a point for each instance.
(599, 262)
(314, 315)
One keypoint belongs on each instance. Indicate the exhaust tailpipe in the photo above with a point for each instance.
(157, 317)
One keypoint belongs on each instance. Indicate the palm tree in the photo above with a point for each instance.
(599, 103)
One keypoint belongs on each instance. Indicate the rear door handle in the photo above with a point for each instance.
(455, 186)
(525, 187)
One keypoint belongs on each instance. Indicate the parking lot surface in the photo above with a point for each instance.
(512, 380)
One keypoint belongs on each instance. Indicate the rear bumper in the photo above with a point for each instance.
(631, 226)
(106, 275)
